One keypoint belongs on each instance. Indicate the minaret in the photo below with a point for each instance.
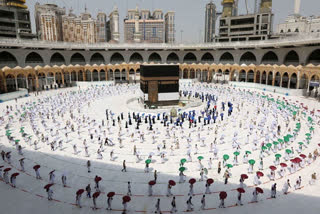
(137, 34)
(297, 7)
(227, 8)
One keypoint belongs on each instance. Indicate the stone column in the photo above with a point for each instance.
(267, 74)
(273, 78)
(91, 76)
(70, 80)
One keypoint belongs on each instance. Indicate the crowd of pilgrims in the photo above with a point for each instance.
(57, 120)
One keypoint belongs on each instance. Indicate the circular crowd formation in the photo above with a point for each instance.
(85, 148)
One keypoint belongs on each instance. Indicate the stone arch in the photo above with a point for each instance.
(66, 77)
(155, 58)
(77, 58)
(226, 75)
(80, 75)
(73, 76)
(277, 79)
(285, 80)
(59, 79)
(136, 57)
(190, 58)
(97, 58)
(270, 77)
(95, 75)
(132, 75)
(250, 76)
(7, 59)
(293, 81)
(88, 76)
(185, 73)
(11, 83)
(257, 77)
(33, 59)
(207, 58)
(31, 82)
(227, 58)
(242, 76)
(270, 58)
(173, 58)
(117, 75)
(192, 74)
(57, 59)
(303, 83)
(50, 79)
(21, 80)
(123, 75)
(102, 75)
(248, 58)
(314, 57)
(116, 58)
(292, 58)
(264, 78)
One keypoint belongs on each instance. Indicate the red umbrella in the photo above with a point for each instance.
(283, 164)
(111, 194)
(47, 186)
(210, 181)
(97, 179)
(319, 144)
(36, 167)
(223, 195)
(259, 190)
(293, 160)
(96, 194)
(151, 183)
(7, 169)
(273, 168)
(126, 198)
(172, 183)
(192, 181)
(297, 160)
(260, 174)
(241, 190)
(244, 176)
(15, 174)
(303, 156)
(80, 191)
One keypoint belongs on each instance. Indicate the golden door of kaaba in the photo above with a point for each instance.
(153, 91)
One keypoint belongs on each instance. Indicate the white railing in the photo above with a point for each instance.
(300, 39)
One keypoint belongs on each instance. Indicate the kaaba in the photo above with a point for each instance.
(159, 84)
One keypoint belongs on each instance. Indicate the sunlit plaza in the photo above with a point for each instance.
(121, 123)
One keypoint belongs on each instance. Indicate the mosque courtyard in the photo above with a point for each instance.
(262, 137)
